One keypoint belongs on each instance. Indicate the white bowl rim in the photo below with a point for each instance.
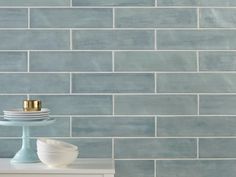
(61, 144)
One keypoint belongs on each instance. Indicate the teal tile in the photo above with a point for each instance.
(11, 102)
(34, 39)
(196, 126)
(196, 168)
(113, 3)
(196, 39)
(9, 147)
(217, 61)
(155, 104)
(13, 18)
(70, 61)
(113, 126)
(10, 131)
(78, 104)
(217, 148)
(34, 83)
(155, 148)
(134, 168)
(155, 18)
(217, 104)
(196, 83)
(34, 2)
(113, 83)
(13, 61)
(217, 18)
(113, 39)
(71, 18)
(155, 61)
(226, 3)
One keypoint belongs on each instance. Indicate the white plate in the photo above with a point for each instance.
(24, 116)
(21, 112)
(24, 119)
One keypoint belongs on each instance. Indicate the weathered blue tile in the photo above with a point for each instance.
(196, 168)
(77, 104)
(113, 3)
(14, 131)
(217, 148)
(196, 3)
(113, 126)
(71, 18)
(155, 18)
(34, 39)
(35, 3)
(155, 61)
(196, 126)
(13, 18)
(9, 147)
(13, 61)
(34, 83)
(217, 61)
(134, 168)
(155, 104)
(155, 148)
(196, 83)
(217, 104)
(196, 39)
(70, 61)
(113, 39)
(113, 83)
(11, 102)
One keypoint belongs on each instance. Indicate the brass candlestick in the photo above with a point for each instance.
(32, 105)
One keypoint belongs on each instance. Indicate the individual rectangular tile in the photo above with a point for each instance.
(34, 39)
(196, 126)
(196, 168)
(196, 39)
(155, 148)
(113, 126)
(226, 3)
(155, 104)
(13, 61)
(8, 147)
(217, 18)
(13, 18)
(113, 39)
(155, 18)
(71, 18)
(134, 168)
(217, 61)
(217, 148)
(196, 83)
(10, 131)
(70, 61)
(34, 83)
(113, 83)
(217, 104)
(113, 3)
(155, 61)
(77, 104)
(10, 101)
(34, 2)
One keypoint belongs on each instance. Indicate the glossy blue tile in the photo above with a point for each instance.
(113, 3)
(8, 147)
(155, 18)
(71, 18)
(155, 104)
(113, 39)
(224, 3)
(113, 83)
(70, 61)
(13, 18)
(34, 39)
(113, 126)
(78, 104)
(34, 2)
(155, 148)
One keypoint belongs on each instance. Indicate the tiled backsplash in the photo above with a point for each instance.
(149, 83)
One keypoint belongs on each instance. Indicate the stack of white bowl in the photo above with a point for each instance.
(56, 153)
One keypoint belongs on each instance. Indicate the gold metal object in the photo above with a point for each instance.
(32, 105)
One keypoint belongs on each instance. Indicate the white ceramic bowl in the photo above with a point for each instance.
(57, 159)
(50, 145)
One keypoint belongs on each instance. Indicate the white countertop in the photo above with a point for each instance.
(80, 166)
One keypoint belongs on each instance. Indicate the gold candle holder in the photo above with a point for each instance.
(32, 105)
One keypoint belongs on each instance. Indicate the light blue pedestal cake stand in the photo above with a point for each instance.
(26, 154)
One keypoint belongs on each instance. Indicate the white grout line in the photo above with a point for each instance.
(128, 7)
(28, 18)
(198, 148)
(28, 96)
(155, 168)
(156, 4)
(176, 159)
(71, 4)
(28, 61)
(155, 40)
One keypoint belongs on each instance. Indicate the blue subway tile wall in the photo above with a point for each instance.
(150, 83)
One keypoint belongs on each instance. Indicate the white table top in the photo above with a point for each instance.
(80, 166)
